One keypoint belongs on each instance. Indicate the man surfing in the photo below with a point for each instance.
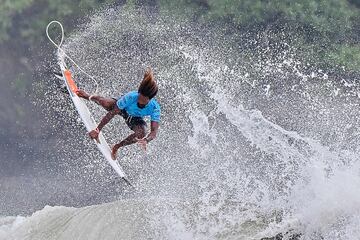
(133, 106)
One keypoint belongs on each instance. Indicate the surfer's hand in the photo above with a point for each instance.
(94, 134)
(142, 142)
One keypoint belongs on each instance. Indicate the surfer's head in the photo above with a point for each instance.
(147, 89)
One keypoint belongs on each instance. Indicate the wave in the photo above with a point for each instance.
(117, 220)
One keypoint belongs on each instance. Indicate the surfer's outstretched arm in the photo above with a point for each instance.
(94, 134)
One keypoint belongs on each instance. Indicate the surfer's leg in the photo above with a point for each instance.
(106, 103)
(139, 132)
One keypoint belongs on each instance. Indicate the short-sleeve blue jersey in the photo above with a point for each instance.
(128, 102)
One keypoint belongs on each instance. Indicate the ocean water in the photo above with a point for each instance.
(255, 142)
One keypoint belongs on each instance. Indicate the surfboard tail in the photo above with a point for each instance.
(128, 182)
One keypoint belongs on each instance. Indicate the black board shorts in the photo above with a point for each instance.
(131, 121)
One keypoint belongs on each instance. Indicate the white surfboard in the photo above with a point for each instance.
(88, 120)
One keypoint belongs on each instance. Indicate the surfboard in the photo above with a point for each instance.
(88, 120)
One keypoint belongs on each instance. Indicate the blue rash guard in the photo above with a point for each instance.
(129, 103)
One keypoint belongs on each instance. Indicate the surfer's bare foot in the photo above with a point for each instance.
(82, 94)
(114, 151)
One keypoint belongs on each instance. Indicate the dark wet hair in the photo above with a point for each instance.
(148, 86)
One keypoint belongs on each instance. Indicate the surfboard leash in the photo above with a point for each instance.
(62, 53)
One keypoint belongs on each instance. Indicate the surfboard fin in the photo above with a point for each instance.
(61, 86)
(58, 75)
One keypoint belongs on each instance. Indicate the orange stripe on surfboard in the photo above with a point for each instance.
(70, 81)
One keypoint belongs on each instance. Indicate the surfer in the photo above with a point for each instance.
(133, 106)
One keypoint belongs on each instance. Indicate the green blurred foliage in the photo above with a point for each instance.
(333, 17)
(183, 8)
(355, 2)
(324, 28)
(19, 85)
(8, 9)
(347, 56)
(27, 19)
(318, 22)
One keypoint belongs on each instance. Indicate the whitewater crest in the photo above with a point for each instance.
(130, 219)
